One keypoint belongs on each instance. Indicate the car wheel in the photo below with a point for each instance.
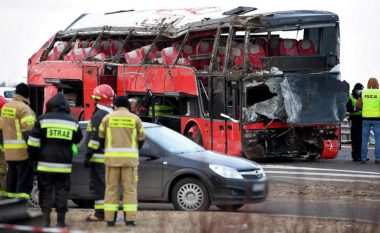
(229, 207)
(190, 195)
(194, 133)
(34, 195)
(83, 203)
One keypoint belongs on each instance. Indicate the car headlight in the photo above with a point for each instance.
(226, 172)
(261, 171)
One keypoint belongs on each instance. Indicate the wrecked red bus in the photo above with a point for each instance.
(238, 82)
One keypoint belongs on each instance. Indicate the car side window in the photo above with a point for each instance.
(148, 149)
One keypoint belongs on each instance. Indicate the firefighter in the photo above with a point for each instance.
(369, 103)
(18, 120)
(51, 145)
(103, 96)
(3, 164)
(355, 118)
(121, 134)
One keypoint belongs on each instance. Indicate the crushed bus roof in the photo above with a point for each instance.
(176, 21)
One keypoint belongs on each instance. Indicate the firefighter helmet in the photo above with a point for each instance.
(2, 101)
(104, 94)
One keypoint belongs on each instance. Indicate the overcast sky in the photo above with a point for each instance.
(25, 25)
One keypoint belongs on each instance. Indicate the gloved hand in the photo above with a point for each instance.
(86, 162)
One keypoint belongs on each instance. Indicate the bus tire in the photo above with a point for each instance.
(195, 134)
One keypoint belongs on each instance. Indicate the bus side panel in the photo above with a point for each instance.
(90, 81)
(234, 146)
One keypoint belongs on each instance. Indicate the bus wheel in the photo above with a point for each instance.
(194, 133)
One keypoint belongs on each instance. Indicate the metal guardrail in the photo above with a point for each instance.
(345, 131)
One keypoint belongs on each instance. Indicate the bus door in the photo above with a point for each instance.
(90, 81)
(217, 122)
(233, 113)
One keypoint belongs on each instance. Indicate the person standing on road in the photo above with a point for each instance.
(355, 119)
(104, 96)
(51, 144)
(18, 120)
(3, 164)
(370, 105)
(121, 134)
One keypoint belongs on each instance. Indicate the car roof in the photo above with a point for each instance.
(145, 124)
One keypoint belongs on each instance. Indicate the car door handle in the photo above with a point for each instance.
(221, 127)
(229, 127)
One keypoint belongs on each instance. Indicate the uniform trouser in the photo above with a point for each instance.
(126, 176)
(98, 186)
(19, 179)
(356, 137)
(54, 185)
(3, 170)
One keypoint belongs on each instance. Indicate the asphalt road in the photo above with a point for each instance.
(342, 171)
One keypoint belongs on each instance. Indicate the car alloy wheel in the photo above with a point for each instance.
(34, 199)
(190, 195)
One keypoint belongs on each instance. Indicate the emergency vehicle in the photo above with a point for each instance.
(239, 81)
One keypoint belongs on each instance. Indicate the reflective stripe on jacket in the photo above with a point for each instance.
(122, 130)
(93, 150)
(371, 103)
(52, 138)
(18, 118)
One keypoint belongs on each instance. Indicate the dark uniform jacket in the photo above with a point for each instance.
(53, 137)
(94, 153)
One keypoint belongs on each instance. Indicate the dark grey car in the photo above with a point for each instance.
(175, 169)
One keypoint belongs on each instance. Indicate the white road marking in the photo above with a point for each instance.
(323, 174)
(314, 169)
(326, 179)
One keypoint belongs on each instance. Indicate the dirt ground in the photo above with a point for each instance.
(202, 222)
(321, 190)
(220, 222)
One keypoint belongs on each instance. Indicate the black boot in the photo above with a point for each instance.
(46, 217)
(61, 219)
(128, 223)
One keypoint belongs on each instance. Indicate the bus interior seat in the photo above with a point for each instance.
(288, 47)
(134, 57)
(237, 56)
(255, 52)
(204, 47)
(306, 47)
(169, 55)
(83, 44)
(114, 47)
(152, 53)
(273, 46)
(81, 53)
(105, 47)
(187, 51)
(56, 51)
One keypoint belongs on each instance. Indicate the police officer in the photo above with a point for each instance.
(51, 145)
(18, 120)
(370, 105)
(355, 118)
(104, 96)
(122, 134)
(3, 164)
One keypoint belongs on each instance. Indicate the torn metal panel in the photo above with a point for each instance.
(314, 98)
(265, 99)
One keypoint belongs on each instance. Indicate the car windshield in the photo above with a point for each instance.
(171, 140)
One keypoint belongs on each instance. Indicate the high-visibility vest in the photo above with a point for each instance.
(354, 101)
(371, 103)
(161, 110)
